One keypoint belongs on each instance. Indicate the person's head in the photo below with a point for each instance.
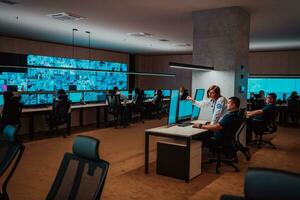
(7, 96)
(262, 93)
(115, 89)
(271, 98)
(213, 92)
(233, 103)
(61, 92)
(294, 94)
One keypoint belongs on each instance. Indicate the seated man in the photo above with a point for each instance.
(220, 129)
(261, 114)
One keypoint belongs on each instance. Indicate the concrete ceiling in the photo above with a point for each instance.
(275, 24)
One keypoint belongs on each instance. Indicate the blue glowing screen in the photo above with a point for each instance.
(185, 109)
(90, 96)
(149, 93)
(125, 93)
(75, 97)
(101, 96)
(198, 97)
(1, 100)
(166, 93)
(280, 86)
(39, 79)
(173, 107)
(132, 94)
(29, 99)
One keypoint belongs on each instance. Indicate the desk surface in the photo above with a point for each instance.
(187, 131)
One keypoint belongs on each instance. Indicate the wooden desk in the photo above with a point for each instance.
(176, 132)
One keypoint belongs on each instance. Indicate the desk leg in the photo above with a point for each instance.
(146, 152)
(31, 126)
(98, 117)
(105, 115)
(188, 151)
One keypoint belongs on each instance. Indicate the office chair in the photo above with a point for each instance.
(259, 104)
(11, 152)
(81, 174)
(229, 146)
(294, 110)
(138, 107)
(12, 110)
(262, 184)
(264, 127)
(115, 108)
(60, 114)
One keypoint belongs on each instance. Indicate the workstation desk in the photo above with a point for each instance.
(175, 132)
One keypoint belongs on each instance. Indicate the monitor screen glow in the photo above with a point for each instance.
(172, 119)
(185, 109)
(75, 97)
(198, 97)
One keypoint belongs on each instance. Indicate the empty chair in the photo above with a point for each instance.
(262, 184)
(11, 152)
(12, 110)
(60, 114)
(138, 107)
(81, 174)
(294, 110)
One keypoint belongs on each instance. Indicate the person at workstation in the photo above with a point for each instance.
(261, 114)
(183, 93)
(294, 96)
(218, 130)
(215, 100)
(124, 111)
(261, 95)
(122, 97)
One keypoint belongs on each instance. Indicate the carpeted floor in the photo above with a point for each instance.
(124, 149)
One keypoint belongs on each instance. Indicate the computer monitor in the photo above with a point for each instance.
(90, 97)
(75, 97)
(29, 99)
(125, 93)
(132, 94)
(166, 93)
(12, 88)
(149, 94)
(1, 100)
(45, 99)
(185, 110)
(101, 97)
(198, 97)
(172, 119)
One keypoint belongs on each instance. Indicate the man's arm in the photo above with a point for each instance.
(254, 113)
(215, 127)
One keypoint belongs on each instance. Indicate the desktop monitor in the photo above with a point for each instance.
(125, 93)
(132, 94)
(44, 99)
(198, 97)
(75, 97)
(149, 94)
(172, 119)
(101, 97)
(166, 93)
(90, 97)
(1, 100)
(185, 110)
(12, 88)
(29, 99)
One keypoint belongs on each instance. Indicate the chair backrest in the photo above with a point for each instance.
(139, 103)
(294, 106)
(262, 184)
(114, 103)
(259, 104)
(82, 174)
(61, 110)
(11, 112)
(10, 150)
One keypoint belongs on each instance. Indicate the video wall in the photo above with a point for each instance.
(280, 86)
(38, 79)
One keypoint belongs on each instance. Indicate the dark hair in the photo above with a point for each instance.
(61, 92)
(236, 101)
(273, 96)
(214, 88)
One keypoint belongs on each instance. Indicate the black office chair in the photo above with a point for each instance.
(294, 110)
(264, 127)
(60, 114)
(115, 108)
(158, 107)
(229, 145)
(11, 113)
(138, 107)
(81, 174)
(11, 152)
(262, 184)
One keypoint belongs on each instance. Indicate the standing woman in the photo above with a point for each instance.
(215, 100)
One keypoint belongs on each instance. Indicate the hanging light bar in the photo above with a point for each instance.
(189, 66)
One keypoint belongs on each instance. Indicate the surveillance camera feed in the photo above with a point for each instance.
(39, 79)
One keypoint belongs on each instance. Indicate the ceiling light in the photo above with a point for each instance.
(9, 2)
(189, 66)
(65, 16)
(163, 40)
(181, 45)
(140, 34)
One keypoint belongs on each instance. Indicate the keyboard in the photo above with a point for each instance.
(185, 124)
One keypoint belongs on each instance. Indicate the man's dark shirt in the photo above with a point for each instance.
(268, 112)
(226, 123)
